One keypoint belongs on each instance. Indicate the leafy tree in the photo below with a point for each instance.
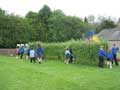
(14, 30)
(85, 20)
(105, 23)
(63, 28)
(43, 16)
(31, 16)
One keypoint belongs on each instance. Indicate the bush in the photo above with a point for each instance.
(84, 52)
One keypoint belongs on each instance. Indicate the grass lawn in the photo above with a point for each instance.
(54, 75)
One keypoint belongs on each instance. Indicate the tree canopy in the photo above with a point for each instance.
(46, 26)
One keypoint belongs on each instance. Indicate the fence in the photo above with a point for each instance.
(9, 52)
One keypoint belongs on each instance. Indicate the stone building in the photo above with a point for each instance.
(111, 35)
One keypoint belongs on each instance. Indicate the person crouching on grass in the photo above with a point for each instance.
(32, 55)
(109, 57)
(101, 54)
(39, 52)
(67, 56)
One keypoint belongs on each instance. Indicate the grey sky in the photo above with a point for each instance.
(78, 8)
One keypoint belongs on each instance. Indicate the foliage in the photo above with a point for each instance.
(13, 30)
(86, 20)
(46, 26)
(104, 23)
(56, 26)
(84, 52)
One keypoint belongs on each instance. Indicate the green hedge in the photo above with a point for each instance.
(84, 52)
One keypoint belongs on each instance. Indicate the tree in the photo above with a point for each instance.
(2, 12)
(85, 20)
(63, 28)
(14, 30)
(107, 24)
(43, 16)
(31, 16)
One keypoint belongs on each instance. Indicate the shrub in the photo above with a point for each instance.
(84, 52)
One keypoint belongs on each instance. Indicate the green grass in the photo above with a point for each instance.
(54, 75)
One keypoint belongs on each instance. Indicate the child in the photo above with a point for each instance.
(109, 57)
(114, 52)
(18, 52)
(32, 55)
(71, 56)
(25, 52)
(39, 52)
(67, 56)
(101, 54)
(28, 53)
(21, 51)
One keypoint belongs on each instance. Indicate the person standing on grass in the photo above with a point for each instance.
(39, 52)
(28, 53)
(21, 52)
(25, 52)
(114, 52)
(18, 52)
(32, 55)
(109, 57)
(67, 56)
(101, 54)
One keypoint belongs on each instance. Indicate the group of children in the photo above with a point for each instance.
(38, 53)
(30, 52)
(110, 55)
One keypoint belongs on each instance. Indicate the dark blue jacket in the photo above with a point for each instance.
(114, 50)
(28, 50)
(22, 50)
(109, 55)
(19, 50)
(39, 51)
(101, 53)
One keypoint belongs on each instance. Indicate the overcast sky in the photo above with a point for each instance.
(78, 8)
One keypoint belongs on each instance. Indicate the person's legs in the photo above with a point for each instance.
(30, 59)
(67, 61)
(17, 56)
(27, 56)
(110, 64)
(99, 64)
(21, 55)
(107, 63)
(34, 59)
(73, 60)
(40, 60)
(70, 61)
(101, 61)
(116, 62)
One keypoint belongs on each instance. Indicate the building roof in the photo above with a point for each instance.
(110, 34)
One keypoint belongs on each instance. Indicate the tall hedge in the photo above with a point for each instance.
(84, 52)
